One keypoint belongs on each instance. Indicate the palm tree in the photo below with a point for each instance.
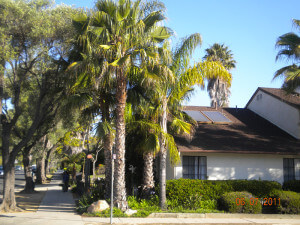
(123, 38)
(289, 49)
(218, 90)
(175, 87)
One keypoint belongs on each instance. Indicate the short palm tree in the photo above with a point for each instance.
(218, 90)
(173, 88)
(289, 49)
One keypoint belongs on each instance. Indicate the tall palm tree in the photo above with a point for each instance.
(218, 90)
(123, 37)
(289, 49)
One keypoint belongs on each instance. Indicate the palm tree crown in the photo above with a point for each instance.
(218, 91)
(289, 45)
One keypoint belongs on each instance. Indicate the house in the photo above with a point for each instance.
(260, 141)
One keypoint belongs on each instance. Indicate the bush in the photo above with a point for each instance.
(83, 203)
(239, 202)
(143, 206)
(96, 193)
(259, 188)
(292, 185)
(289, 202)
(194, 194)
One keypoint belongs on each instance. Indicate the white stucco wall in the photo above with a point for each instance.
(277, 112)
(221, 166)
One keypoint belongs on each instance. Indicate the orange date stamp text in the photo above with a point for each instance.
(255, 201)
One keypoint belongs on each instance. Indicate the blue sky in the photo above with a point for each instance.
(249, 28)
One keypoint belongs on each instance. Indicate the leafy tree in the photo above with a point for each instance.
(34, 60)
(288, 45)
(217, 88)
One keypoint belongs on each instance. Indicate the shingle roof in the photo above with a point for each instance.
(292, 99)
(248, 133)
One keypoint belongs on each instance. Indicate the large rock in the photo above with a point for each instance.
(129, 212)
(98, 206)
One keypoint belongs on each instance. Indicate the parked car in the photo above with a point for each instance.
(1, 170)
(18, 168)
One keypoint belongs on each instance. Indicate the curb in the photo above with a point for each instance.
(223, 215)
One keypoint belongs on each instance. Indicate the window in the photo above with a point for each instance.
(291, 169)
(194, 167)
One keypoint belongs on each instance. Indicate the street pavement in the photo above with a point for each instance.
(57, 208)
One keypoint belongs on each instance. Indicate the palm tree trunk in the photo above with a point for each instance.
(107, 147)
(148, 178)
(163, 158)
(119, 175)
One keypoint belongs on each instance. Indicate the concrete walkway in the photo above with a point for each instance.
(57, 208)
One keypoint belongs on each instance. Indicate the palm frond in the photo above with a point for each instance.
(184, 51)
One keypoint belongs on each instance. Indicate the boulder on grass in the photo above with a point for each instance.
(98, 206)
(129, 212)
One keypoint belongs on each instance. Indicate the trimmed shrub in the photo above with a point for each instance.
(194, 194)
(259, 188)
(239, 202)
(292, 185)
(289, 202)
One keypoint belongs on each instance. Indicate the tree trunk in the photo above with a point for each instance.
(107, 146)
(9, 199)
(29, 184)
(148, 178)
(163, 158)
(86, 174)
(2, 64)
(94, 170)
(119, 175)
(83, 170)
(47, 159)
(40, 169)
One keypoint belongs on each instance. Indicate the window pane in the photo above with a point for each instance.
(297, 169)
(194, 167)
(288, 169)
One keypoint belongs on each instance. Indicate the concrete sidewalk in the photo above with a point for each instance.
(58, 208)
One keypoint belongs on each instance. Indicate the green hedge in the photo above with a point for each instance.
(259, 188)
(195, 194)
(289, 202)
(239, 202)
(292, 185)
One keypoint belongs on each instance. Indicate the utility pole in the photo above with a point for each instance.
(113, 157)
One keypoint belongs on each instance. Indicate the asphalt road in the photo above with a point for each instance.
(19, 182)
